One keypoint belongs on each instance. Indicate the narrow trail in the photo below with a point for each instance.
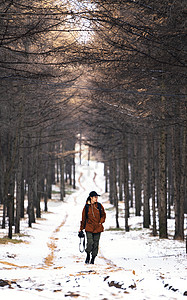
(51, 243)
(62, 256)
(53, 240)
(49, 260)
(51, 266)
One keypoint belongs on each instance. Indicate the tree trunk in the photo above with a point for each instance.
(31, 185)
(62, 182)
(22, 208)
(137, 177)
(146, 207)
(111, 182)
(153, 188)
(106, 177)
(9, 164)
(126, 181)
(120, 168)
(115, 189)
(131, 159)
(10, 213)
(19, 178)
(45, 195)
(5, 192)
(52, 165)
(179, 161)
(74, 180)
(162, 187)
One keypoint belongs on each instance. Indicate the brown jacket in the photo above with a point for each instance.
(93, 223)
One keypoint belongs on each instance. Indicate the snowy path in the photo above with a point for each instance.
(129, 266)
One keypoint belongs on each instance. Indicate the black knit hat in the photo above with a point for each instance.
(93, 193)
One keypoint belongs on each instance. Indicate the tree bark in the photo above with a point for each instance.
(74, 180)
(19, 174)
(31, 184)
(10, 214)
(153, 188)
(162, 187)
(106, 176)
(137, 177)
(116, 204)
(62, 181)
(146, 207)
(111, 182)
(179, 161)
(19, 190)
(126, 181)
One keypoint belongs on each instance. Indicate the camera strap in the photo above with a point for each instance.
(82, 245)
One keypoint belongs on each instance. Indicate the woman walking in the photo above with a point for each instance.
(93, 216)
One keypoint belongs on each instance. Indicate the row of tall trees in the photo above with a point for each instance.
(138, 112)
(37, 112)
(133, 87)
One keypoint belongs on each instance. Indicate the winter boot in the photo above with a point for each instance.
(87, 258)
(92, 260)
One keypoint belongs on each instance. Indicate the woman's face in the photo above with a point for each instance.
(93, 199)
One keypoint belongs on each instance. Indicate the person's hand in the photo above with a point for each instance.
(81, 234)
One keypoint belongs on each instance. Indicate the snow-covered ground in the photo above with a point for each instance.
(131, 265)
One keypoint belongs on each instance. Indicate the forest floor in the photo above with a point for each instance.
(47, 263)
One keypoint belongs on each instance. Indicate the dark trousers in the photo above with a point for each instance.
(92, 243)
